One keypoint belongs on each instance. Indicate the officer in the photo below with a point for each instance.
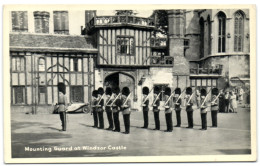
(156, 110)
(189, 108)
(62, 102)
(145, 105)
(214, 107)
(177, 101)
(94, 110)
(108, 108)
(126, 108)
(168, 110)
(203, 109)
(116, 108)
(99, 106)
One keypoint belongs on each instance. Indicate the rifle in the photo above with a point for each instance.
(126, 99)
(147, 95)
(190, 98)
(169, 98)
(109, 99)
(180, 95)
(114, 100)
(216, 97)
(205, 99)
(156, 98)
(100, 99)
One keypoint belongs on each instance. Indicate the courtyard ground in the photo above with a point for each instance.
(39, 136)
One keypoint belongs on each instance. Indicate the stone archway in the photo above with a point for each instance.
(121, 79)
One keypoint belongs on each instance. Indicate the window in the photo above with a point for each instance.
(18, 95)
(77, 94)
(209, 35)
(18, 64)
(125, 45)
(42, 95)
(41, 21)
(221, 32)
(41, 64)
(201, 38)
(19, 21)
(61, 22)
(76, 64)
(239, 31)
(162, 89)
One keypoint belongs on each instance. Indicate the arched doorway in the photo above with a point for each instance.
(122, 80)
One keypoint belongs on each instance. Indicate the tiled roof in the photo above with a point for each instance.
(51, 41)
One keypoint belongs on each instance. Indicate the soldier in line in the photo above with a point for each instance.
(145, 105)
(214, 107)
(156, 110)
(62, 102)
(99, 106)
(168, 110)
(126, 109)
(108, 108)
(189, 109)
(94, 110)
(177, 101)
(203, 109)
(115, 108)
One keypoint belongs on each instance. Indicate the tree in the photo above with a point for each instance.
(161, 21)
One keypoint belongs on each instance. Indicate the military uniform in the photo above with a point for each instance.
(203, 109)
(100, 110)
(62, 102)
(168, 110)
(115, 109)
(156, 109)
(94, 109)
(189, 108)
(145, 106)
(108, 108)
(126, 109)
(177, 108)
(214, 107)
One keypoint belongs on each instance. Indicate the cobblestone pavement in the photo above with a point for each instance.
(39, 136)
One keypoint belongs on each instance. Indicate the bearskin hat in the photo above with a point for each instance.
(167, 91)
(214, 91)
(145, 90)
(178, 91)
(62, 87)
(188, 91)
(100, 91)
(116, 90)
(108, 91)
(95, 93)
(203, 92)
(125, 91)
(156, 90)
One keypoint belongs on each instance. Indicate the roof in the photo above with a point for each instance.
(51, 42)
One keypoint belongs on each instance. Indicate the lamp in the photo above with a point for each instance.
(141, 81)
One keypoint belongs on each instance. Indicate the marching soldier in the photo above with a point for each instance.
(177, 101)
(108, 108)
(214, 107)
(100, 104)
(168, 110)
(126, 108)
(203, 109)
(115, 108)
(145, 106)
(189, 108)
(94, 110)
(62, 102)
(156, 110)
